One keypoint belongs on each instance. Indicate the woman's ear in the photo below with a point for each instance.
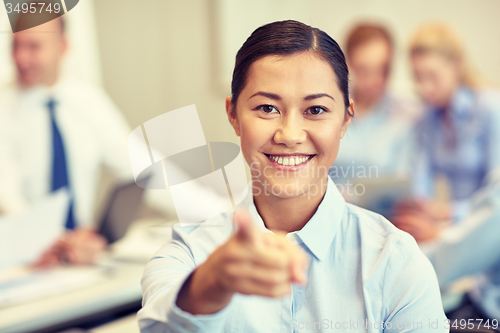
(231, 115)
(348, 118)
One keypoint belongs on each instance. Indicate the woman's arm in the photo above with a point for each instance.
(250, 262)
(164, 276)
(422, 177)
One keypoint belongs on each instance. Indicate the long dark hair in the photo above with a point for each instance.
(287, 38)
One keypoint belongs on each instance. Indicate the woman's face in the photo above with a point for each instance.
(290, 117)
(436, 78)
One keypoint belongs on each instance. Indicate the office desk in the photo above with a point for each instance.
(120, 291)
(127, 324)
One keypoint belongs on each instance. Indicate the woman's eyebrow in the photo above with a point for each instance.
(268, 95)
(278, 97)
(314, 96)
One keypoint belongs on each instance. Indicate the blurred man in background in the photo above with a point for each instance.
(57, 134)
(377, 143)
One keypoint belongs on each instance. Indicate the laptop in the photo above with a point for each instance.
(122, 209)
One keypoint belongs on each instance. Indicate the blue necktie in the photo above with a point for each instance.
(59, 168)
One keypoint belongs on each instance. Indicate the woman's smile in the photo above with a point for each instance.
(289, 162)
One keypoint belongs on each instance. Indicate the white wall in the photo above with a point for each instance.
(476, 21)
(160, 55)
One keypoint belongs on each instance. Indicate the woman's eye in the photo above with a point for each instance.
(315, 110)
(267, 108)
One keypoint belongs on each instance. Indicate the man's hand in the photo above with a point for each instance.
(251, 262)
(79, 247)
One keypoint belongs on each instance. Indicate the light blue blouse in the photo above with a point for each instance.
(365, 275)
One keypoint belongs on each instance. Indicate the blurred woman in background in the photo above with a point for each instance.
(459, 137)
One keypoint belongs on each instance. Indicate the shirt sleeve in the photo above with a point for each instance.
(113, 131)
(422, 177)
(163, 278)
(494, 133)
(460, 209)
(411, 297)
(12, 199)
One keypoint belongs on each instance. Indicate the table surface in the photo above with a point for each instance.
(120, 288)
(127, 324)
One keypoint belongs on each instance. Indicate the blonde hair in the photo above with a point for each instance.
(441, 39)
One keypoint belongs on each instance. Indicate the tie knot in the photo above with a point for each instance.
(51, 104)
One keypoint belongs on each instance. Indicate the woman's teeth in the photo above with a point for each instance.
(289, 160)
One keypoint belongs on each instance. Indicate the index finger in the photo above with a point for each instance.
(298, 258)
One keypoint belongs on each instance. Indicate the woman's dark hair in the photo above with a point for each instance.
(287, 38)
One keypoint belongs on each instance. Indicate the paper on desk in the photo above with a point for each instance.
(22, 284)
(142, 241)
(24, 237)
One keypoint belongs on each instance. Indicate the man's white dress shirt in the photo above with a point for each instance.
(94, 134)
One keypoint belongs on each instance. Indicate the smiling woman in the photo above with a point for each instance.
(291, 108)
(296, 252)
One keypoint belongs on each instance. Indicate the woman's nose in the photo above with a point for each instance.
(290, 132)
